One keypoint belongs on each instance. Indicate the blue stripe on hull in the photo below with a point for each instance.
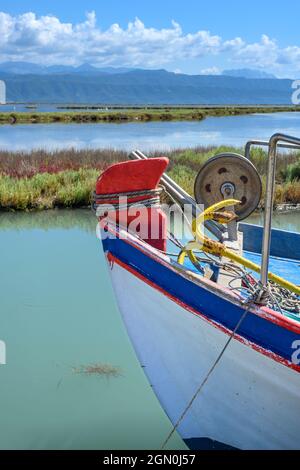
(263, 333)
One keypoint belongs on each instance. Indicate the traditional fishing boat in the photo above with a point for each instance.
(214, 319)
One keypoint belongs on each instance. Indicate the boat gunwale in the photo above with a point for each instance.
(221, 291)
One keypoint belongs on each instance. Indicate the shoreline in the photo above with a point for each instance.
(289, 209)
(41, 180)
(146, 114)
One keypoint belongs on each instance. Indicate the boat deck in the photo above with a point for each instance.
(286, 268)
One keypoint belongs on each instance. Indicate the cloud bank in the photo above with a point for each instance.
(47, 40)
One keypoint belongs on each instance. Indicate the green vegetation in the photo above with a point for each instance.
(185, 164)
(137, 114)
(45, 191)
(41, 180)
(292, 172)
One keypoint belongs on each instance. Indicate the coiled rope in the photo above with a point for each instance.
(103, 203)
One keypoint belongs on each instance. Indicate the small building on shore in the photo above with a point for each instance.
(2, 92)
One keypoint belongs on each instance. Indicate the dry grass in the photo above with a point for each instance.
(28, 164)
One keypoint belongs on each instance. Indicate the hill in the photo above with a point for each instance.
(247, 73)
(143, 87)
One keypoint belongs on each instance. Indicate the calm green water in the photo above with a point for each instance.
(289, 221)
(58, 312)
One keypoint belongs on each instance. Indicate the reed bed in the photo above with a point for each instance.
(150, 113)
(28, 164)
(66, 178)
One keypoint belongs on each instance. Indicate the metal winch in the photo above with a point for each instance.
(227, 176)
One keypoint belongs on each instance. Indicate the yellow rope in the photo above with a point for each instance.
(213, 247)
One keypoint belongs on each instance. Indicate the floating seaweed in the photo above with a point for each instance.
(106, 370)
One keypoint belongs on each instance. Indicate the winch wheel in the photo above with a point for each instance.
(226, 176)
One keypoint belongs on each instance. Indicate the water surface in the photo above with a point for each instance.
(228, 130)
(288, 221)
(58, 312)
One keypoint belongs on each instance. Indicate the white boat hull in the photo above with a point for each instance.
(250, 401)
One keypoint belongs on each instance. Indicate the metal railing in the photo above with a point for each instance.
(274, 143)
(265, 143)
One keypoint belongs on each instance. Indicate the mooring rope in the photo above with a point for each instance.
(103, 203)
(101, 209)
(250, 302)
(143, 192)
(279, 298)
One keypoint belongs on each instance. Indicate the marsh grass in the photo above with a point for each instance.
(28, 164)
(66, 178)
(45, 191)
(292, 171)
(154, 113)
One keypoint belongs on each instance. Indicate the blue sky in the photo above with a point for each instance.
(185, 36)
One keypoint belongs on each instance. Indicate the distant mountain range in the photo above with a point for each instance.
(27, 82)
(24, 68)
(247, 73)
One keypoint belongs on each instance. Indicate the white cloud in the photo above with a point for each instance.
(47, 40)
(210, 71)
(263, 53)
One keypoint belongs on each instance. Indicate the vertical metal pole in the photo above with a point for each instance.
(293, 142)
(247, 149)
(269, 198)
